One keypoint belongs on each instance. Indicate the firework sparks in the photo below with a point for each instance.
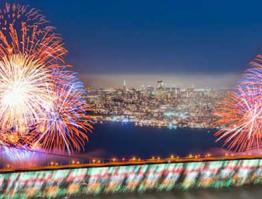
(67, 122)
(24, 96)
(240, 114)
(41, 103)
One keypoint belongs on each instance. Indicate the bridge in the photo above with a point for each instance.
(130, 175)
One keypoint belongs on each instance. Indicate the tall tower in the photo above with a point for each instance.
(124, 85)
(160, 84)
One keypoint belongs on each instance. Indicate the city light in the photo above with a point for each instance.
(191, 108)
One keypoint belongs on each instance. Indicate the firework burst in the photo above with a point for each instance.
(42, 104)
(68, 118)
(24, 92)
(240, 114)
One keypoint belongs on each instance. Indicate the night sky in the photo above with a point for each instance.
(157, 37)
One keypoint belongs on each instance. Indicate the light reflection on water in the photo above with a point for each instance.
(246, 192)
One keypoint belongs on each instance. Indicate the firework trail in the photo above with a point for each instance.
(240, 114)
(68, 119)
(42, 104)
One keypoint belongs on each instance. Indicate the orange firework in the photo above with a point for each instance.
(68, 119)
(25, 31)
(42, 104)
(240, 114)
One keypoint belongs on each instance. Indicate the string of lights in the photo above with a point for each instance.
(132, 178)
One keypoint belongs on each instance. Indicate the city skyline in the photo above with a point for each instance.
(216, 81)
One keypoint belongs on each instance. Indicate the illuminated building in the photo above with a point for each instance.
(148, 106)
